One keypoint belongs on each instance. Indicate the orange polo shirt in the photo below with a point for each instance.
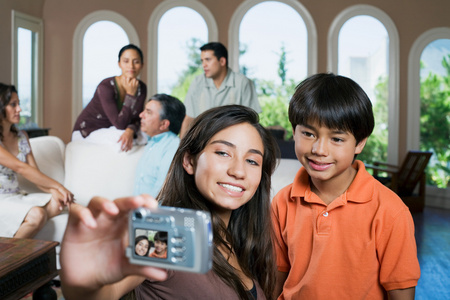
(358, 247)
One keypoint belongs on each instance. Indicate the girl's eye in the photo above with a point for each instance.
(222, 153)
(252, 162)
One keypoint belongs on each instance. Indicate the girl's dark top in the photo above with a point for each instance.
(106, 109)
(183, 285)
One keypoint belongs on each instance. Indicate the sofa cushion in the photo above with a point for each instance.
(100, 170)
(48, 151)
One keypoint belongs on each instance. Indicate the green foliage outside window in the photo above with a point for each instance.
(435, 124)
(376, 145)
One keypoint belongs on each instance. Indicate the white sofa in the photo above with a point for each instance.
(89, 170)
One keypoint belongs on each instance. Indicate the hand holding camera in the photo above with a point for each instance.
(93, 247)
(171, 238)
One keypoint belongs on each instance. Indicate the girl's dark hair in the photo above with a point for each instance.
(336, 102)
(249, 233)
(140, 238)
(5, 97)
(134, 47)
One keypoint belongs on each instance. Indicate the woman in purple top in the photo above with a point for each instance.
(116, 104)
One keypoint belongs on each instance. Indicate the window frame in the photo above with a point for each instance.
(35, 25)
(152, 28)
(238, 16)
(413, 109)
(436, 197)
(393, 71)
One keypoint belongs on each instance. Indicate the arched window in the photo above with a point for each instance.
(421, 61)
(435, 110)
(274, 43)
(172, 27)
(181, 32)
(27, 72)
(101, 45)
(113, 29)
(364, 46)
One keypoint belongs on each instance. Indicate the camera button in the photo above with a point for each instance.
(178, 250)
(178, 239)
(178, 259)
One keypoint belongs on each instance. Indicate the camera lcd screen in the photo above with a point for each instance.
(151, 243)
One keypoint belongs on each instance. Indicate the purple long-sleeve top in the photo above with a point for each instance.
(106, 110)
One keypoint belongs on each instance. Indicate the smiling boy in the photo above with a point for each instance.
(340, 234)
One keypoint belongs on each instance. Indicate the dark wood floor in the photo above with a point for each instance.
(433, 248)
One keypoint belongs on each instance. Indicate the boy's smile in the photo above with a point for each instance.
(327, 155)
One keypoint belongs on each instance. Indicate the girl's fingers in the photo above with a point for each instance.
(129, 203)
(79, 213)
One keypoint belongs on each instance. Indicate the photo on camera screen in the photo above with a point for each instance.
(151, 243)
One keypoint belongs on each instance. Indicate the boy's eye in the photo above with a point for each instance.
(337, 140)
(307, 134)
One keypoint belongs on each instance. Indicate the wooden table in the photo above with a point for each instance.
(25, 265)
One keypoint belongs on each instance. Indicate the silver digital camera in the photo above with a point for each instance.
(179, 238)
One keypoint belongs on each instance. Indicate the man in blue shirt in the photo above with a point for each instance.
(161, 120)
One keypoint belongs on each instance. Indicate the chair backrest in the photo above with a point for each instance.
(412, 170)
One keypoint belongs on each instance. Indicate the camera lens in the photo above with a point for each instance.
(140, 213)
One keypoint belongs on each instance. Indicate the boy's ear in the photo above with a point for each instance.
(188, 164)
(360, 146)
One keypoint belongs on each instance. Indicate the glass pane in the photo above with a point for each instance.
(181, 32)
(364, 57)
(101, 45)
(273, 45)
(435, 110)
(25, 74)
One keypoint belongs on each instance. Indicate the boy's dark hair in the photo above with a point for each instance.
(219, 50)
(334, 101)
(172, 110)
(161, 236)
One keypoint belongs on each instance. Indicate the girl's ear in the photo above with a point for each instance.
(188, 164)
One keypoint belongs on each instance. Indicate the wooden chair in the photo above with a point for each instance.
(403, 180)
